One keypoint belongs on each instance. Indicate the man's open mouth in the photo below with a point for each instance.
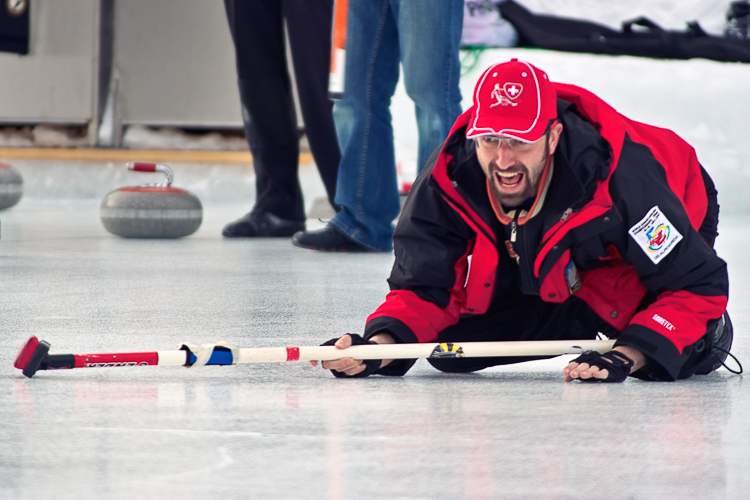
(509, 179)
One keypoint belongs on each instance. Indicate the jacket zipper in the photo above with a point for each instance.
(529, 283)
(527, 275)
(509, 243)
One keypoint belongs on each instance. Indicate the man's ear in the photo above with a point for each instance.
(554, 136)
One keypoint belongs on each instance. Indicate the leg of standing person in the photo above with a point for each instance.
(367, 189)
(430, 35)
(309, 24)
(269, 118)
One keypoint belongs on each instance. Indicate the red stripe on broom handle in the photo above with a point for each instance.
(292, 353)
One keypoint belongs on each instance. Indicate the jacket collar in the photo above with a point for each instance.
(582, 160)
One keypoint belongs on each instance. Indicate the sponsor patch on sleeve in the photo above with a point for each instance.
(655, 235)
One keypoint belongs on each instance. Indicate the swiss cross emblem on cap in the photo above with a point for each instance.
(505, 96)
(513, 90)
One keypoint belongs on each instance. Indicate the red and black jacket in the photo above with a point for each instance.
(609, 173)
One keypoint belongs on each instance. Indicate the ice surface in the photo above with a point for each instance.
(292, 431)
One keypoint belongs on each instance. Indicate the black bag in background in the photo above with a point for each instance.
(14, 26)
(573, 35)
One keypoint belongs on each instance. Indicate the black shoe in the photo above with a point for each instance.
(261, 224)
(720, 346)
(329, 239)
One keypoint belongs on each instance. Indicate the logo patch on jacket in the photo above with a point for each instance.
(655, 235)
(572, 277)
(663, 322)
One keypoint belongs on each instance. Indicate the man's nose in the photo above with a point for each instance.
(504, 156)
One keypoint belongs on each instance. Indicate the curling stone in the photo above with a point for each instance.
(151, 210)
(11, 186)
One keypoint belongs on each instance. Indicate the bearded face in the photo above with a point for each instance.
(515, 168)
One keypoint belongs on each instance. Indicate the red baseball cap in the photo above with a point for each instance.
(513, 99)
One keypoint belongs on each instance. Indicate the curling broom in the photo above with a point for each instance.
(35, 355)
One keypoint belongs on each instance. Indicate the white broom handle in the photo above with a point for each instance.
(412, 351)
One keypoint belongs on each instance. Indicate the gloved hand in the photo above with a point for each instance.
(371, 365)
(617, 364)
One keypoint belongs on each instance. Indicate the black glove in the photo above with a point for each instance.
(617, 371)
(371, 364)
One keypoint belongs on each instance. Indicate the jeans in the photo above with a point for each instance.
(422, 35)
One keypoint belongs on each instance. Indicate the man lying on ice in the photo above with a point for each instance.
(547, 215)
